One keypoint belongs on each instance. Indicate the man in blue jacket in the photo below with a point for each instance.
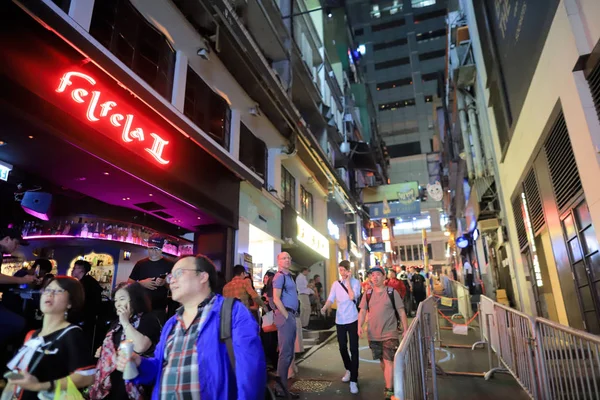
(190, 361)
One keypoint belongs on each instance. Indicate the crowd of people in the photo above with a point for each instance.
(178, 344)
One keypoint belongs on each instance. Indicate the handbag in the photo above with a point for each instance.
(70, 393)
(268, 322)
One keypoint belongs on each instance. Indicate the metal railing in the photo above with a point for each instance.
(568, 361)
(550, 361)
(414, 363)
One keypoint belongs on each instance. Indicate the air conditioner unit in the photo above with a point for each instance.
(487, 225)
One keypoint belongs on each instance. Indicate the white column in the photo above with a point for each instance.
(179, 80)
(234, 132)
(274, 169)
(81, 12)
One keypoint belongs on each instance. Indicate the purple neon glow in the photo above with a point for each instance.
(88, 238)
(42, 216)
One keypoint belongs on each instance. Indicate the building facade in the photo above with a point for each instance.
(271, 107)
(541, 100)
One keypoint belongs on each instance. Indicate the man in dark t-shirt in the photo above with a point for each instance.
(151, 273)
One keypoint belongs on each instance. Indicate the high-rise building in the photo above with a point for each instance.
(403, 45)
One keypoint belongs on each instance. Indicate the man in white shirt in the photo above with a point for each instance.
(346, 291)
(303, 295)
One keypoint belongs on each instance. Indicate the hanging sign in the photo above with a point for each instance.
(101, 107)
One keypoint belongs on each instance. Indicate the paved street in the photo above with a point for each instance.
(320, 373)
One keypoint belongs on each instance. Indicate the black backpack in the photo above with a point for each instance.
(390, 293)
(225, 336)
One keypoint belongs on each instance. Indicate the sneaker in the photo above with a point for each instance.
(353, 388)
(346, 377)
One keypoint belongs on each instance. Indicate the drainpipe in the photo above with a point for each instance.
(464, 128)
(472, 110)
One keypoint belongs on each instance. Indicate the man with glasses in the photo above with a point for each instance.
(190, 361)
(151, 273)
(285, 298)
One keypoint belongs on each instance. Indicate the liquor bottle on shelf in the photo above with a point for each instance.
(84, 230)
(67, 229)
(129, 236)
(96, 233)
(109, 232)
(103, 232)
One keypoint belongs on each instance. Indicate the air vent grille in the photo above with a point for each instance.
(561, 163)
(150, 206)
(163, 214)
(519, 221)
(534, 202)
(594, 82)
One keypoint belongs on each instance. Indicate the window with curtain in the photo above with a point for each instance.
(119, 27)
(306, 205)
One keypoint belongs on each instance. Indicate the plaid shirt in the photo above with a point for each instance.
(180, 380)
(241, 288)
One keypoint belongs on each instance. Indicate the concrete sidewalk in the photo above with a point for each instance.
(320, 373)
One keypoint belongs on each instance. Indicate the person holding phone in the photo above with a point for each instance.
(151, 273)
(56, 353)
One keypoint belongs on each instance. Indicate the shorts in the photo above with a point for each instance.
(385, 350)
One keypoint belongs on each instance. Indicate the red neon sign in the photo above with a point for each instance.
(97, 111)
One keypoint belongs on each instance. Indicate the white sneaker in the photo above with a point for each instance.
(353, 388)
(346, 377)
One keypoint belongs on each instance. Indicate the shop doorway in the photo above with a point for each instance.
(584, 256)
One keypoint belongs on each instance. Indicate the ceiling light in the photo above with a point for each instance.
(106, 173)
(83, 178)
(199, 217)
(124, 199)
(30, 137)
(150, 195)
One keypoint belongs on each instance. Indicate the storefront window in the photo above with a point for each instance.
(209, 111)
(288, 187)
(119, 27)
(253, 152)
(306, 204)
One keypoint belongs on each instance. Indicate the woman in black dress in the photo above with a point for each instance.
(136, 323)
(57, 352)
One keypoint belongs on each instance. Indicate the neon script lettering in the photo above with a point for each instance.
(97, 110)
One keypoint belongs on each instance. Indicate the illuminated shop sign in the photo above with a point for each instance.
(101, 107)
(333, 229)
(313, 239)
(530, 238)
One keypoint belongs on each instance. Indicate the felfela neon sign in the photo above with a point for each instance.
(96, 111)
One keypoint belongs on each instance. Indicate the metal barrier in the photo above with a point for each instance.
(568, 362)
(463, 296)
(416, 356)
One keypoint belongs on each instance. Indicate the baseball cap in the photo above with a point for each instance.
(156, 241)
(345, 264)
(377, 269)
(14, 233)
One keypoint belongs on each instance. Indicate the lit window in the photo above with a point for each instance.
(422, 3)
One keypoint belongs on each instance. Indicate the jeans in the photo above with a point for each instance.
(286, 336)
(343, 332)
(11, 324)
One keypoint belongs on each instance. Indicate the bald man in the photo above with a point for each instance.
(285, 298)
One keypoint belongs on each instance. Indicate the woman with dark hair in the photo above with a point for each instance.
(269, 339)
(136, 323)
(56, 353)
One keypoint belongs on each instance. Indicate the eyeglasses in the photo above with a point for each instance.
(177, 274)
(53, 292)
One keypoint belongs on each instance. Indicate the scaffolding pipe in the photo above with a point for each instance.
(474, 124)
(464, 128)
